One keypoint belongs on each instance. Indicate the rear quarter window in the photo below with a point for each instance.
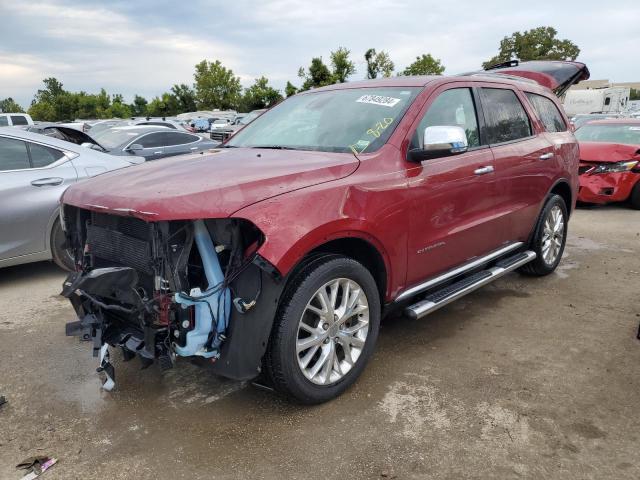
(548, 112)
(505, 117)
(42, 156)
(19, 120)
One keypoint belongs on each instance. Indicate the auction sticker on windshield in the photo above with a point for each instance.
(378, 100)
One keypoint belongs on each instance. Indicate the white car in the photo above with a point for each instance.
(15, 119)
(34, 171)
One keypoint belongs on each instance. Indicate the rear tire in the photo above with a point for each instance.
(61, 256)
(634, 198)
(549, 238)
(325, 330)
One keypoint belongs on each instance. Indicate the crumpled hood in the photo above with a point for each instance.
(212, 185)
(608, 152)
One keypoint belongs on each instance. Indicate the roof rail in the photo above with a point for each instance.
(502, 75)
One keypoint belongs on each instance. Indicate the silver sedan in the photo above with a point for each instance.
(34, 171)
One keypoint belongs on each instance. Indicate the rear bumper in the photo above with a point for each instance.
(607, 187)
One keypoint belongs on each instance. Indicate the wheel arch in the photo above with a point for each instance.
(563, 188)
(355, 245)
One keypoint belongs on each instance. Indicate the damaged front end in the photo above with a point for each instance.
(167, 289)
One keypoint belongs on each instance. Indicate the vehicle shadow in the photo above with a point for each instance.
(28, 273)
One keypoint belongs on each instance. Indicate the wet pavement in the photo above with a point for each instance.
(526, 378)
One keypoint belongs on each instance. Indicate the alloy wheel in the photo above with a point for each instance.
(332, 331)
(553, 235)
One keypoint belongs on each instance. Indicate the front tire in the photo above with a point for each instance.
(61, 256)
(325, 330)
(549, 238)
(634, 198)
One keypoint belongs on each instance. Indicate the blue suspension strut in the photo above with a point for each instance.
(214, 300)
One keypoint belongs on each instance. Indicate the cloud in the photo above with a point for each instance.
(146, 46)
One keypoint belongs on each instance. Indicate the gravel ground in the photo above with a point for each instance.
(528, 377)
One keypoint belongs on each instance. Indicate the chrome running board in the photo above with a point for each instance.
(459, 289)
(472, 264)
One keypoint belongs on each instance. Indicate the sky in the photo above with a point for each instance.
(146, 46)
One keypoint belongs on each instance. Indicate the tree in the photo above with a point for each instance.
(9, 105)
(342, 66)
(424, 65)
(216, 86)
(634, 94)
(536, 44)
(259, 95)
(53, 88)
(186, 97)
(139, 106)
(378, 63)
(318, 75)
(163, 106)
(290, 89)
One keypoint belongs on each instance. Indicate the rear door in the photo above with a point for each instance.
(32, 179)
(177, 143)
(452, 198)
(524, 163)
(153, 145)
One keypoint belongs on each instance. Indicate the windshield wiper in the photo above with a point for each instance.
(276, 147)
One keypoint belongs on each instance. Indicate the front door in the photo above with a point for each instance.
(452, 198)
(32, 179)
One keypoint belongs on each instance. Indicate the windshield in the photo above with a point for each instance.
(619, 133)
(249, 117)
(351, 120)
(113, 138)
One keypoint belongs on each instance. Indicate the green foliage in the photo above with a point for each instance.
(378, 63)
(317, 75)
(186, 97)
(166, 105)
(139, 106)
(216, 86)
(536, 44)
(290, 89)
(343, 68)
(8, 105)
(424, 65)
(259, 95)
(634, 94)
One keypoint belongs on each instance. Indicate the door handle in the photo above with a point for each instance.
(157, 153)
(546, 156)
(45, 182)
(483, 170)
(193, 148)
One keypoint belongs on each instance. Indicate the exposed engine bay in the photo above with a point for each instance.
(168, 289)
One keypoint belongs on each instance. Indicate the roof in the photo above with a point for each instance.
(142, 128)
(424, 80)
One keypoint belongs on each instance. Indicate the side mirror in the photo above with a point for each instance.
(440, 141)
(135, 147)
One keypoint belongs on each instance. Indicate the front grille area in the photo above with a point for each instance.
(219, 136)
(123, 241)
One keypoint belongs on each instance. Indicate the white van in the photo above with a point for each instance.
(13, 119)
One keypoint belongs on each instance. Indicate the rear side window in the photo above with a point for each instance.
(455, 108)
(42, 156)
(177, 138)
(13, 154)
(548, 113)
(153, 140)
(505, 117)
(19, 120)
(4, 121)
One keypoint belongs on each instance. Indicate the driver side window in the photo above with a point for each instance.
(453, 107)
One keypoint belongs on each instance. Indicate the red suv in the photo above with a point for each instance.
(278, 255)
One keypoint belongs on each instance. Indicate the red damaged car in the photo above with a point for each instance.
(279, 255)
(610, 161)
